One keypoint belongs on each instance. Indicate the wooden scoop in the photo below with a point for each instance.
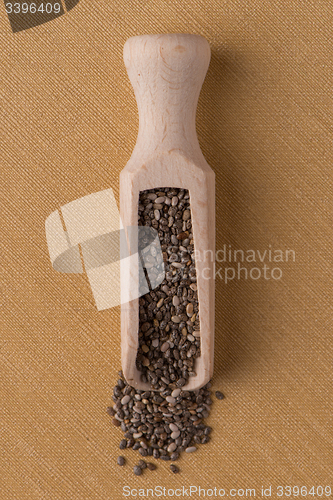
(167, 72)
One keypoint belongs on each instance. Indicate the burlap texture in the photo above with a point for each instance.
(68, 124)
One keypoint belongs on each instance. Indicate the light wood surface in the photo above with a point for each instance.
(167, 72)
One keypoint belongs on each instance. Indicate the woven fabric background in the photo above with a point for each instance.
(68, 125)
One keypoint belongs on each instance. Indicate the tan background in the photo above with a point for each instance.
(68, 124)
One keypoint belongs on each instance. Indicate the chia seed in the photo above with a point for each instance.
(137, 470)
(219, 395)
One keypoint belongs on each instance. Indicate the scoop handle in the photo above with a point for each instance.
(167, 72)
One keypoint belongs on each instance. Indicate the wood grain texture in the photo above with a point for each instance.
(167, 72)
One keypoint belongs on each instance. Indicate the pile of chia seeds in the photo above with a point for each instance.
(162, 424)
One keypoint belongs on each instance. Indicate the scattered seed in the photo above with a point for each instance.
(175, 301)
(110, 411)
(137, 435)
(121, 461)
(145, 361)
(189, 309)
(125, 400)
(123, 444)
(142, 464)
(151, 466)
(160, 303)
(172, 447)
(177, 265)
(219, 395)
(165, 346)
(186, 215)
(174, 468)
(190, 449)
(182, 236)
(137, 470)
